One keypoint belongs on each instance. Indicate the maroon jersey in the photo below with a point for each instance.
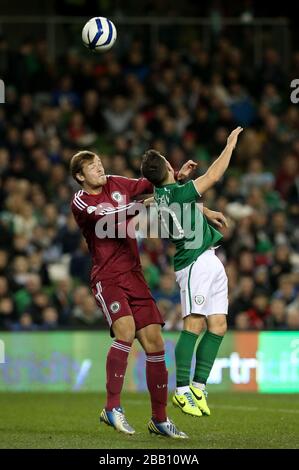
(110, 256)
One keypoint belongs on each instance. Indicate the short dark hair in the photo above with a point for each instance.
(153, 167)
(77, 161)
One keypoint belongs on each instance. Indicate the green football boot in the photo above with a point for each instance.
(186, 403)
(199, 397)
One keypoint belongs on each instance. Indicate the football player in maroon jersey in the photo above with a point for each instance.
(120, 289)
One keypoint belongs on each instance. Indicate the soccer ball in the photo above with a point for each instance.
(99, 34)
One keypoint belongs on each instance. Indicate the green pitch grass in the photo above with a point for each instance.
(63, 421)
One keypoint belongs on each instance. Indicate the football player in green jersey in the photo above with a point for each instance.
(199, 272)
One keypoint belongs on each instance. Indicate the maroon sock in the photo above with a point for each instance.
(157, 383)
(116, 365)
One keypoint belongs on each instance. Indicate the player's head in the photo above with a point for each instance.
(156, 168)
(87, 169)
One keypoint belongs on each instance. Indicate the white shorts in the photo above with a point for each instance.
(203, 286)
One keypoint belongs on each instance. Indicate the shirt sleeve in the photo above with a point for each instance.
(135, 187)
(185, 193)
(89, 215)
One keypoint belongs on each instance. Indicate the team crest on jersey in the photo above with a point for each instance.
(116, 196)
(115, 307)
(199, 299)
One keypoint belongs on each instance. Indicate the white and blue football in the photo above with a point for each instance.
(99, 34)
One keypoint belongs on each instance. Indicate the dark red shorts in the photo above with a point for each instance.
(127, 294)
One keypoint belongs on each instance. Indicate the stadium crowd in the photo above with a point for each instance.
(182, 102)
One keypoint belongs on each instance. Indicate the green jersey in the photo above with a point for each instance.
(183, 222)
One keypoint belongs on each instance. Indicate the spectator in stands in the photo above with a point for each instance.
(277, 320)
(88, 314)
(259, 311)
(50, 318)
(7, 313)
(293, 319)
(25, 323)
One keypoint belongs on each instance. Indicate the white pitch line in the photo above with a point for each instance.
(255, 408)
(231, 407)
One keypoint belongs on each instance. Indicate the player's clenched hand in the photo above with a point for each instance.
(217, 218)
(233, 137)
(186, 170)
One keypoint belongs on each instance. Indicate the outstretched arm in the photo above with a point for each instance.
(218, 168)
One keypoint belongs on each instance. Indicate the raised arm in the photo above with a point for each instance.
(218, 168)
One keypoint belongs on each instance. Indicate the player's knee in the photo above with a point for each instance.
(159, 344)
(154, 343)
(220, 330)
(124, 329)
(128, 337)
(219, 327)
(194, 324)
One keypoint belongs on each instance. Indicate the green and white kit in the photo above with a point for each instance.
(199, 272)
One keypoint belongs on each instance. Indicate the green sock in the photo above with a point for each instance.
(206, 353)
(183, 357)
